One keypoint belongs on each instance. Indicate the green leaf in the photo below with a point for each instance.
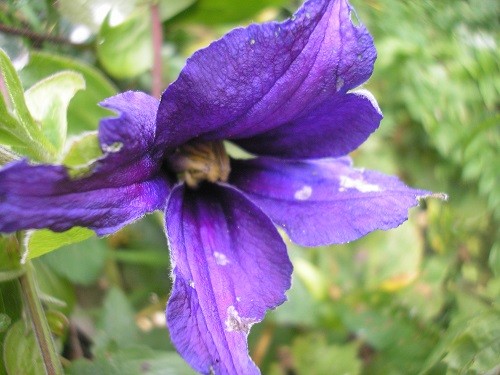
(21, 354)
(213, 12)
(9, 253)
(132, 361)
(117, 323)
(83, 111)
(5, 321)
(42, 241)
(494, 259)
(16, 104)
(82, 154)
(56, 292)
(10, 267)
(80, 263)
(312, 355)
(142, 256)
(48, 102)
(169, 8)
(15, 118)
(83, 150)
(125, 50)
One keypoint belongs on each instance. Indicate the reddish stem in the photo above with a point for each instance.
(157, 84)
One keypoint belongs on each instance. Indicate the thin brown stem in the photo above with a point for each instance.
(157, 36)
(38, 38)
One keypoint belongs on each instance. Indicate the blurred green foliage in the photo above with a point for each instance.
(421, 299)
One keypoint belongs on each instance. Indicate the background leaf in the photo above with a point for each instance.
(48, 102)
(83, 111)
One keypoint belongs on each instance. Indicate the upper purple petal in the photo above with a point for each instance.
(324, 201)
(230, 266)
(258, 78)
(124, 185)
(336, 127)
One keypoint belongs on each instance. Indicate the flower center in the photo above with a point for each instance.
(195, 162)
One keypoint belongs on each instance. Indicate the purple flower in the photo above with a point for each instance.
(281, 91)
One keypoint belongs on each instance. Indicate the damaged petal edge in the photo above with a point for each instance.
(442, 196)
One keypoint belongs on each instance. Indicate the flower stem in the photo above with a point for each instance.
(38, 38)
(156, 85)
(39, 322)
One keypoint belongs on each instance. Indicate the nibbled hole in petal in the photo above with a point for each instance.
(235, 323)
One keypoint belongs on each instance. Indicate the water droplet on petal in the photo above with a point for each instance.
(347, 182)
(304, 193)
(220, 258)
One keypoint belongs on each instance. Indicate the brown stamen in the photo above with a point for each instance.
(195, 162)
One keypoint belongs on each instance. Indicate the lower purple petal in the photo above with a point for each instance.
(324, 201)
(230, 266)
(44, 196)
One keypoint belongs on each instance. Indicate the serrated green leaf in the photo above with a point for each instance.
(125, 50)
(39, 242)
(20, 351)
(16, 120)
(48, 102)
(83, 111)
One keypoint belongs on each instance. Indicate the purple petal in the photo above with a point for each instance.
(44, 196)
(324, 201)
(136, 116)
(124, 185)
(261, 77)
(128, 139)
(335, 128)
(230, 266)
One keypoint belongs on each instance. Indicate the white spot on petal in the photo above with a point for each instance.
(114, 147)
(235, 323)
(252, 41)
(360, 185)
(340, 83)
(304, 193)
(220, 259)
(191, 283)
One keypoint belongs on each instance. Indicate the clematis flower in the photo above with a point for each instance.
(284, 92)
